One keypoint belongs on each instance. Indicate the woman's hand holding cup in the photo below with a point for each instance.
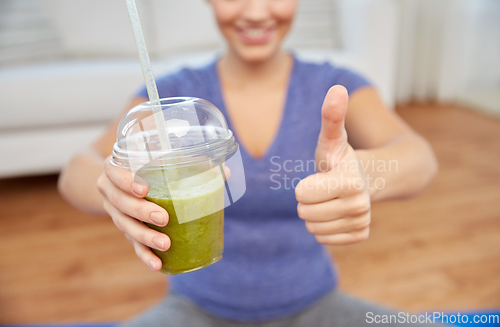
(124, 201)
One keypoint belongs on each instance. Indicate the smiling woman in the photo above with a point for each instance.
(254, 29)
(275, 270)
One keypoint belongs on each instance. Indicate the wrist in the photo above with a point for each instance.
(370, 176)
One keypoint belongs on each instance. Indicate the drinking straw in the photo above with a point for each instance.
(147, 72)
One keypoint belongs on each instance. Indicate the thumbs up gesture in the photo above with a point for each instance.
(335, 202)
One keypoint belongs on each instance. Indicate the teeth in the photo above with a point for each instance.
(254, 33)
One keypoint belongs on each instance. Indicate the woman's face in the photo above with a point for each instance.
(254, 29)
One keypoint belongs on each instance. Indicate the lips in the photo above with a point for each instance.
(255, 36)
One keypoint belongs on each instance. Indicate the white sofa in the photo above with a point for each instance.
(50, 111)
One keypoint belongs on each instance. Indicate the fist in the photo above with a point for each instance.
(335, 202)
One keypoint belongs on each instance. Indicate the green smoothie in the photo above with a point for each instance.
(196, 218)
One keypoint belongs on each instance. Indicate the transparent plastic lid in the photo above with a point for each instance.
(197, 132)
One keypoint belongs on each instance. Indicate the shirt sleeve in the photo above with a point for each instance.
(351, 80)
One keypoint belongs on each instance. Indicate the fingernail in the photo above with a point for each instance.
(159, 243)
(152, 264)
(137, 189)
(157, 218)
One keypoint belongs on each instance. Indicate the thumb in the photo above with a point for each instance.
(332, 141)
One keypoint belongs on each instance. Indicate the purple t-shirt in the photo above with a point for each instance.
(272, 266)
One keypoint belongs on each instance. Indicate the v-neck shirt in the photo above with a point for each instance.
(281, 120)
(272, 266)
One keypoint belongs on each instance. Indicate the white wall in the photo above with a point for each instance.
(95, 28)
(185, 25)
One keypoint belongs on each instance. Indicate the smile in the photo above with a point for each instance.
(254, 33)
(255, 36)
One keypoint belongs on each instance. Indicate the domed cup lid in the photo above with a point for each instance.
(196, 130)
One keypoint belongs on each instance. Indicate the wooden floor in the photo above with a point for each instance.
(439, 251)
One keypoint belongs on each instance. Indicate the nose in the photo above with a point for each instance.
(256, 10)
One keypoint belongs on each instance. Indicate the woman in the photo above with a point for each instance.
(275, 270)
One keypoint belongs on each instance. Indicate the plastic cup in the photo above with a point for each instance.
(187, 180)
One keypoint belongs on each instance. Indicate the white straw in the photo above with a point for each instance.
(154, 98)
